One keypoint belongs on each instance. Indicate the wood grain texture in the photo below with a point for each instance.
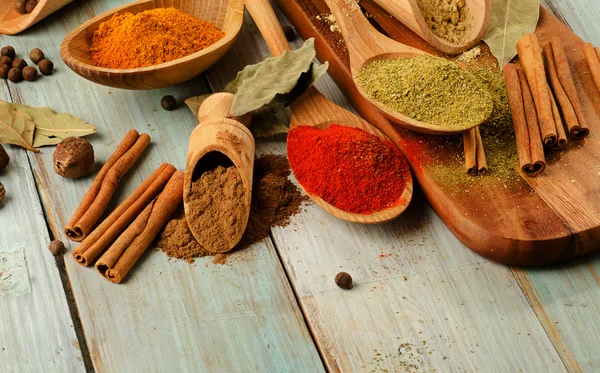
(227, 15)
(13, 22)
(167, 315)
(36, 330)
(470, 313)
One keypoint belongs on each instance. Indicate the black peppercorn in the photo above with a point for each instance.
(343, 280)
(30, 6)
(289, 32)
(4, 69)
(8, 51)
(36, 55)
(30, 73)
(19, 6)
(14, 75)
(46, 66)
(5, 60)
(19, 63)
(168, 103)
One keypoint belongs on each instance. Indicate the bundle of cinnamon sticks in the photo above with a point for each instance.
(543, 99)
(131, 227)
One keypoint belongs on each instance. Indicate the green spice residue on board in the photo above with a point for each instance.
(428, 89)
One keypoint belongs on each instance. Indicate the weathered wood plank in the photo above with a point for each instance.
(453, 311)
(566, 298)
(168, 314)
(36, 330)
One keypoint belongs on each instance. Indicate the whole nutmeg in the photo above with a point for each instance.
(30, 6)
(343, 280)
(8, 51)
(36, 55)
(5, 60)
(73, 157)
(4, 158)
(19, 6)
(56, 247)
(2, 192)
(46, 66)
(30, 73)
(14, 75)
(4, 69)
(19, 63)
(168, 103)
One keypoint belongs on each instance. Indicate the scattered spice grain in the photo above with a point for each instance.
(36, 55)
(448, 19)
(46, 66)
(343, 280)
(56, 247)
(8, 51)
(30, 73)
(168, 103)
(19, 63)
(15, 75)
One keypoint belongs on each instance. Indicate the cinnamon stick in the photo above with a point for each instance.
(129, 247)
(122, 216)
(530, 55)
(592, 56)
(560, 94)
(517, 107)
(475, 161)
(566, 80)
(536, 148)
(104, 185)
(561, 141)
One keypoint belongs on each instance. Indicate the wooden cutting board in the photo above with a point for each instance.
(527, 221)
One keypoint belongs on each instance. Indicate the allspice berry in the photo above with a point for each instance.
(14, 75)
(168, 103)
(19, 6)
(2, 192)
(30, 73)
(36, 55)
(4, 158)
(290, 33)
(4, 69)
(8, 51)
(343, 280)
(73, 157)
(46, 66)
(56, 247)
(30, 6)
(19, 63)
(5, 60)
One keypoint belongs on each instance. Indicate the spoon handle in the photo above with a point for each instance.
(265, 18)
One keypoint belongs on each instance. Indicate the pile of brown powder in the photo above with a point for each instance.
(448, 19)
(274, 200)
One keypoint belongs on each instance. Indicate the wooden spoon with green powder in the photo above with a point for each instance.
(417, 91)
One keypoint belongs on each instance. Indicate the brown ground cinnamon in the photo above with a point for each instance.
(122, 216)
(104, 185)
(129, 247)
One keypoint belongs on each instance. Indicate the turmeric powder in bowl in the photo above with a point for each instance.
(152, 37)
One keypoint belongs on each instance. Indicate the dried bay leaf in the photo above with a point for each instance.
(510, 20)
(194, 103)
(16, 127)
(266, 124)
(51, 128)
(305, 81)
(275, 76)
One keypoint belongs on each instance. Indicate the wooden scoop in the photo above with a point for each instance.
(409, 13)
(214, 140)
(314, 109)
(227, 15)
(13, 22)
(366, 44)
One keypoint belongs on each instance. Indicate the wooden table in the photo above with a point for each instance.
(422, 301)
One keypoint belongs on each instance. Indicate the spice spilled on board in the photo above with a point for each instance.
(428, 89)
(351, 169)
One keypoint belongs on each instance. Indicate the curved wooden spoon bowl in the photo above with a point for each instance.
(408, 12)
(366, 44)
(13, 22)
(227, 15)
(314, 109)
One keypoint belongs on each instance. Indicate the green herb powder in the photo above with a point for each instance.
(428, 89)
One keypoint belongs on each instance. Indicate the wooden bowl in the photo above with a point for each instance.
(13, 22)
(227, 15)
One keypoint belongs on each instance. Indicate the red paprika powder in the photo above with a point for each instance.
(349, 168)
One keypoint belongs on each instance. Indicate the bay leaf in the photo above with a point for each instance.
(16, 127)
(305, 81)
(276, 75)
(51, 127)
(266, 124)
(510, 20)
(245, 73)
(194, 103)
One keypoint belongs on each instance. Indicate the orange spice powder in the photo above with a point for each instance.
(149, 38)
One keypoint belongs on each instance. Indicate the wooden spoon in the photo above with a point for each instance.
(314, 109)
(409, 13)
(13, 22)
(227, 15)
(366, 44)
(218, 140)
